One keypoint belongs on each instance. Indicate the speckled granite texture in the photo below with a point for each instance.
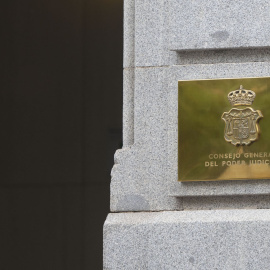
(144, 177)
(155, 29)
(188, 240)
(166, 41)
(219, 24)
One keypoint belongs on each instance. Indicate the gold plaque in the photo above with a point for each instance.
(241, 124)
(224, 129)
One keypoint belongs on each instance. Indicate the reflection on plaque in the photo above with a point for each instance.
(224, 129)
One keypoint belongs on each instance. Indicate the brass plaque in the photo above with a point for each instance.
(224, 129)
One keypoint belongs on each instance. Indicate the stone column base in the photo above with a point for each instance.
(220, 239)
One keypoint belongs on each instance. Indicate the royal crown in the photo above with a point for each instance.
(241, 97)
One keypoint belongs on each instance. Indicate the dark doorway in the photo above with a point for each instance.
(61, 121)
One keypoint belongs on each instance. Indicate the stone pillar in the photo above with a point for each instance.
(156, 221)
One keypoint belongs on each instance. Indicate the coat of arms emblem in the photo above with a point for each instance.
(241, 125)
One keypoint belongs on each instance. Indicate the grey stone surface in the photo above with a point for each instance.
(140, 170)
(129, 33)
(219, 24)
(148, 168)
(151, 33)
(155, 30)
(144, 177)
(128, 106)
(221, 239)
(166, 41)
(226, 202)
(223, 56)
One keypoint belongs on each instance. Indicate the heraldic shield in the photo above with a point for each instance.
(241, 125)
